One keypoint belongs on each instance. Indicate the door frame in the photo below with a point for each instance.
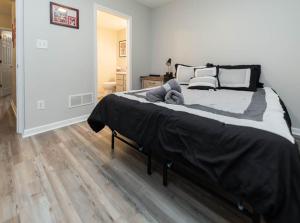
(98, 7)
(20, 79)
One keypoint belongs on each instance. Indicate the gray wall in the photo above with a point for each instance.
(265, 32)
(190, 31)
(67, 66)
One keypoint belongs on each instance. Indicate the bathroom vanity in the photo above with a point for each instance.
(121, 81)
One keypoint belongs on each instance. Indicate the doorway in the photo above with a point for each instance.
(6, 63)
(113, 52)
(12, 58)
(8, 55)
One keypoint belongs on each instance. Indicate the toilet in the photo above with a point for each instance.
(109, 87)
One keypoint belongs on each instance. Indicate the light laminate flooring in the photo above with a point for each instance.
(71, 175)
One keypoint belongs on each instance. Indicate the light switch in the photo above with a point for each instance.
(41, 44)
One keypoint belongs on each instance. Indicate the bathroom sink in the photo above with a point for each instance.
(122, 72)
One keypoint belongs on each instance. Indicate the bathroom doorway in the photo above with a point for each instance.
(113, 39)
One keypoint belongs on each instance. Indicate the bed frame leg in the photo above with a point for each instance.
(113, 134)
(149, 163)
(165, 175)
(255, 217)
(167, 165)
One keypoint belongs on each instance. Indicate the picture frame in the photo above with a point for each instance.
(62, 15)
(123, 48)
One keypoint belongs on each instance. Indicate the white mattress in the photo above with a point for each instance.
(231, 101)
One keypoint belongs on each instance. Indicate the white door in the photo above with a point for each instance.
(5, 62)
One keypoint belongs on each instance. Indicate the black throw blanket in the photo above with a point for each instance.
(257, 166)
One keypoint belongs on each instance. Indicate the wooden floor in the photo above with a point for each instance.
(71, 175)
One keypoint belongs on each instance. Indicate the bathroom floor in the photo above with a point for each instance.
(100, 98)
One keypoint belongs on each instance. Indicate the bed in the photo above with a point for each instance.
(240, 140)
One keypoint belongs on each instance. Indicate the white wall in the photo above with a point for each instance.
(107, 60)
(190, 31)
(67, 66)
(265, 32)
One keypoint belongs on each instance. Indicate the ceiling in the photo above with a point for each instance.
(109, 21)
(154, 3)
(5, 7)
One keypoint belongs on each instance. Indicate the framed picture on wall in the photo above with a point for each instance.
(64, 16)
(122, 48)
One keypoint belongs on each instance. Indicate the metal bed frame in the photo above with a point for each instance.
(167, 165)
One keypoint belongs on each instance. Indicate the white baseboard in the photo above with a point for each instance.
(14, 108)
(296, 131)
(54, 125)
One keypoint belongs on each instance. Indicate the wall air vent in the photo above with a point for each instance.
(81, 100)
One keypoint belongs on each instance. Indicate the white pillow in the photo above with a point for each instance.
(206, 72)
(203, 83)
(234, 78)
(185, 73)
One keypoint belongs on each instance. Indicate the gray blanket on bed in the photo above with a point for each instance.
(174, 97)
(159, 94)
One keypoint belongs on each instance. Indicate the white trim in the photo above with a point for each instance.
(98, 7)
(20, 80)
(54, 125)
(13, 107)
(296, 131)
